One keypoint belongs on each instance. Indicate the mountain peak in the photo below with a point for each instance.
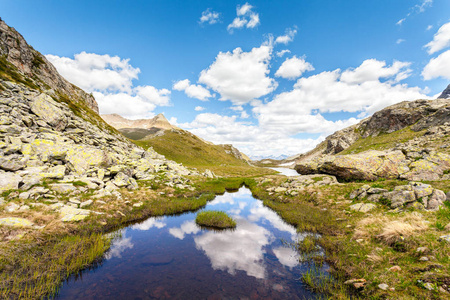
(446, 93)
(119, 122)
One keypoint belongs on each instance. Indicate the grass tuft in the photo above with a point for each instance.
(215, 219)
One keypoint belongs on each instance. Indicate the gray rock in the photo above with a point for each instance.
(362, 207)
(121, 180)
(383, 286)
(448, 196)
(376, 191)
(374, 197)
(11, 163)
(436, 199)
(9, 181)
(445, 238)
(11, 207)
(421, 189)
(86, 203)
(398, 198)
(132, 184)
(62, 188)
(47, 109)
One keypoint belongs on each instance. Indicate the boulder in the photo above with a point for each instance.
(362, 207)
(48, 110)
(421, 189)
(83, 157)
(12, 163)
(398, 198)
(15, 222)
(62, 188)
(121, 180)
(369, 165)
(9, 181)
(56, 172)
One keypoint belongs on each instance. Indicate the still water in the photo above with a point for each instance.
(286, 171)
(172, 258)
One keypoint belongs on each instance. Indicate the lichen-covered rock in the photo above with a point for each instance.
(121, 180)
(369, 165)
(9, 181)
(362, 207)
(15, 222)
(83, 157)
(398, 198)
(48, 110)
(63, 188)
(12, 163)
(421, 189)
(56, 172)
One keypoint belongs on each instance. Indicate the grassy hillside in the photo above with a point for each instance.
(186, 148)
(382, 141)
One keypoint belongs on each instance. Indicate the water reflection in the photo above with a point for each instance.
(188, 227)
(172, 257)
(239, 249)
(119, 246)
(286, 171)
(150, 223)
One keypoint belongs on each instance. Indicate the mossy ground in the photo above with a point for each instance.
(359, 245)
(382, 141)
(215, 219)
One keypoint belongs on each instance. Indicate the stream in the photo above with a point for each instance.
(172, 258)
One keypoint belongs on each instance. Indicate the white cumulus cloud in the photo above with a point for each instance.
(441, 39)
(245, 18)
(293, 67)
(282, 52)
(192, 90)
(209, 16)
(93, 72)
(288, 37)
(438, 67)
(110, 79)
(240, 76)
(199, 108)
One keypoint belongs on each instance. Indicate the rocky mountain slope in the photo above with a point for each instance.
(51, 138)
(408, 140)
(34, 70)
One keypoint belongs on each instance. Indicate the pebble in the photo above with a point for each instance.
(395, 269)
(422, 249)
(424, 258)
(383, 286)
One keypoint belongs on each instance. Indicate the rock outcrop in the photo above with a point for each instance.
(425, 156)
(35, 69)
(41, 138)
(415, 194)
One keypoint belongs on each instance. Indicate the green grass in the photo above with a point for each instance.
(215, 219)
(383, 141)
(34, 269)
(183, 147)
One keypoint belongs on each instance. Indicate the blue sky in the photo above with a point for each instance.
(342, 61)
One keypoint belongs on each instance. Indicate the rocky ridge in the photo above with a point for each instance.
(424, 157)
(33, 69)
(43, 140)
(119, 122)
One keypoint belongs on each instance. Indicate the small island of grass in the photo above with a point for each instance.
(215, 219)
